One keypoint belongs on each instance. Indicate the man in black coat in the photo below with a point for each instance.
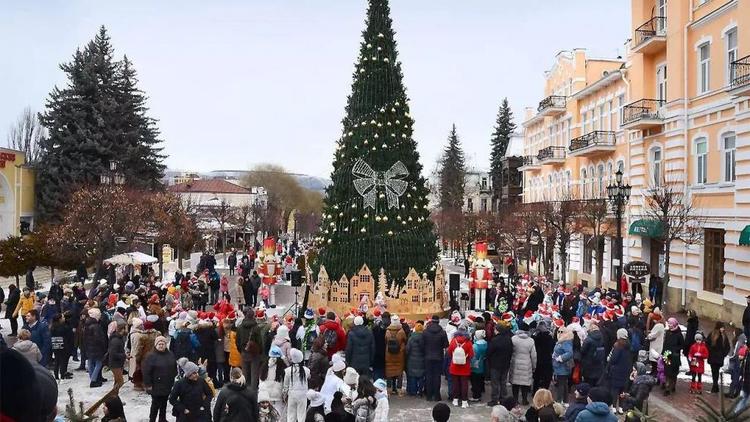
(14, 295)
(232, 261)
(592, 355)
(236, 401)
(746, 318)
(159, 370)
(360, 347)
(378, 334)
(499, 353)
(191, 397)
(544, 344)
(435, 342)
(95, 344)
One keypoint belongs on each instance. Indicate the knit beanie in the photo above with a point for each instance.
(622, 334)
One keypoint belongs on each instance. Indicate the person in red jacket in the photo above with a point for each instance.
(460, 367)
(336, 340)
(697, 356)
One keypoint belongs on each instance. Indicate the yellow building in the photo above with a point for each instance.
(677, 111)
(16, 193)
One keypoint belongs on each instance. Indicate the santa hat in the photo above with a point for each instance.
(507, 316)
(472, 318)
(609, 315)
(231, 316)
(528, 317)
(260, 313)
(376, 313)
(619, 312)
(559, 322)
(322, 311)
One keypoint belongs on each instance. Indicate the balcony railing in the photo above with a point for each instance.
(655, 26)
(530, 161)
(740, 72)
(553, 101)
(642, 110)
(605, 138)
(551, 153)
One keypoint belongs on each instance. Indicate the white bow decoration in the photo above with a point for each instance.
(369, 180)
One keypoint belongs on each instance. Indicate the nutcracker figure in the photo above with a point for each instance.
(269, 268)
(481, 274)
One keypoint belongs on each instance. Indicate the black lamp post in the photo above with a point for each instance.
(619, 194)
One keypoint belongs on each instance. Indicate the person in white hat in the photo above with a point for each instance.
(334, 382)
(295, 387)
(266, 411)
(315, 412)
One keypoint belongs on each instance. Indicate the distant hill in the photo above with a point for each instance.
(313, 183)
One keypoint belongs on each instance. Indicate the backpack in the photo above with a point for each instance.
(310, 335)
(394, 346)
(331, 337)
(459, 355)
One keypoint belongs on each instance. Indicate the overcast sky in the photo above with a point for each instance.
(235, 83)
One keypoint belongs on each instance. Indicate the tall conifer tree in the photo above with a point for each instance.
(499, 142)
(452, 175)
(376, 210)
(98, 117)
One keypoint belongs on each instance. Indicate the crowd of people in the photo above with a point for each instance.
(567, 354)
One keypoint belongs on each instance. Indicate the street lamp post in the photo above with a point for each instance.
(618, 194)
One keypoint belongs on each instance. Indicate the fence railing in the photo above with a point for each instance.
(642, 109)
(653, 27)
(551, 101)
(551, 152)
(740, 72)
(595, 138)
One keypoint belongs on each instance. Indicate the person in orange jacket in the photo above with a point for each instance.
(460, 366)
(697, 356)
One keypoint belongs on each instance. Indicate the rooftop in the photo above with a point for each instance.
(208, 186)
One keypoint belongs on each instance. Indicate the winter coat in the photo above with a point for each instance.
(378, 333)
(194, 396)
(270, 385)
(395, 362)
(318, 368)
(691, 330)
(61, 337)
(235, 357)
(717, 350)
(596, 412)
(292, 385)
(29, 350)
(381, 412)
(620, 363)
(574, 409)
(94, 339)
(285, 345)
(415, 352)
(563, 351)
(207, 337)
(12, 302)
(500, 351)
(116, 352)
(435, 342)
(479, 358)
(592, 355)
(340, 336)
(141, 343)
(364, 409)
(159, 370)
(184, 344)
(673, 342)
(24, 305)
(236, 403)
(524, 359)
(544, 345)
(696, 356)
(360, 348)
(641, 388)
(656, 338)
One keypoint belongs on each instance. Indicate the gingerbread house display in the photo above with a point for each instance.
(418, 296)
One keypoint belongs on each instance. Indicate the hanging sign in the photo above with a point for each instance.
(637, 269)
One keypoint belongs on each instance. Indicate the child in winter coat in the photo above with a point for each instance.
(381, 411)
(266, 411)
(265, 294)
(697, 356)
(460, 351)
(478, 365)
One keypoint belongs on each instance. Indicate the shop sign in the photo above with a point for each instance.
(636, 269)
(6, 156)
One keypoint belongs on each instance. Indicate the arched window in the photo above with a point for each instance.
(600, 178)
(610, 175)
(592, 182)
(583, 184)
(728, 147)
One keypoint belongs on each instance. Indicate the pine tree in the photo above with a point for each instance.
(452, 175)
(98, 117)
(499, 142)
(376, 210)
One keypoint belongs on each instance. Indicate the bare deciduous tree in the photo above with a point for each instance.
(595, 216)
(26, 133)
(669, 204)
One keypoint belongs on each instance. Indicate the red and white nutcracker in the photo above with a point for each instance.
(481, 275)
(269, 267)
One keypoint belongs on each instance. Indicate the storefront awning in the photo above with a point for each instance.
(646, 228)
(745, 236)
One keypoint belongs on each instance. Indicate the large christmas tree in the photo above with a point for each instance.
(376, 211)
